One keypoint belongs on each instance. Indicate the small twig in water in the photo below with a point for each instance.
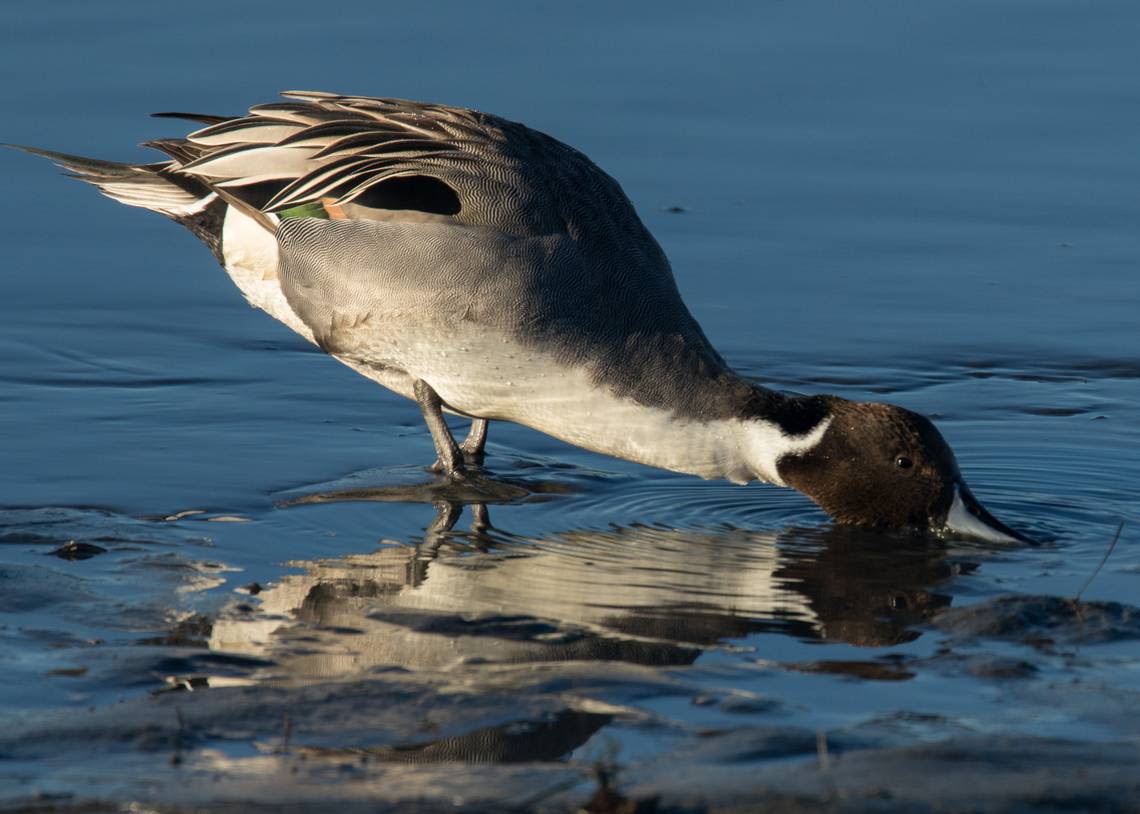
(1103, 560)
(824, 755)
(176, 758)
(287, 730)
(821, 750)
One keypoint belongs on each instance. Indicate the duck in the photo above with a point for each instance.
(485, 269)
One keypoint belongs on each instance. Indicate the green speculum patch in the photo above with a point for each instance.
(309, 210)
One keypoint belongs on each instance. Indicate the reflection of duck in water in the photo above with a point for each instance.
(641, 594)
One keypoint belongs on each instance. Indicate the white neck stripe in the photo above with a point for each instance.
(768, 444)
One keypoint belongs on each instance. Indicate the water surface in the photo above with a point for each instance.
(221, 558)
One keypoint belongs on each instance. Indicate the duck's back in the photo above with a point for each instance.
(447, 220)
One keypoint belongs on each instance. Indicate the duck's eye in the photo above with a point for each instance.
(903, 462)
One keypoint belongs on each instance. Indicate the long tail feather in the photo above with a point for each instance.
(149, 186)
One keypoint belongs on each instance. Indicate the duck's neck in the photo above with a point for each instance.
(724, 427)
(752, 427)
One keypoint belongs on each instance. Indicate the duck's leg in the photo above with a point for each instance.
(449, 459)
(472, 446)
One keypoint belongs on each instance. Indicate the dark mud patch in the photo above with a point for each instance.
(1041, 621)
(857, 669)
(986, 666)
(980, 774)
(72, 551)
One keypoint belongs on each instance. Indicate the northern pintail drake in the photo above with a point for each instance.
(486, 269)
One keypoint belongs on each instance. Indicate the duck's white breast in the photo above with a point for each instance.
(479, 372)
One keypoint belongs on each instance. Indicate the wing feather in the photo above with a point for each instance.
(245, 131)
(385, 154)
(242, 161)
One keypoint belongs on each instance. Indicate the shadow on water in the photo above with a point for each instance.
(475, 489)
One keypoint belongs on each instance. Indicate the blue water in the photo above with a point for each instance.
(933, 204)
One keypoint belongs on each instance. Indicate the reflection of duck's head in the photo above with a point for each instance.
(865, 593)
(883, 467)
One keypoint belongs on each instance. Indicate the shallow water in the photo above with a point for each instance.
(935, 205)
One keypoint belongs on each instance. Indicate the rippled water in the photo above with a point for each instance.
(936, 205)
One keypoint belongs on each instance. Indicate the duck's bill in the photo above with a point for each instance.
(968, 518)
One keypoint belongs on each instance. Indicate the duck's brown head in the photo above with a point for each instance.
(881, 466)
